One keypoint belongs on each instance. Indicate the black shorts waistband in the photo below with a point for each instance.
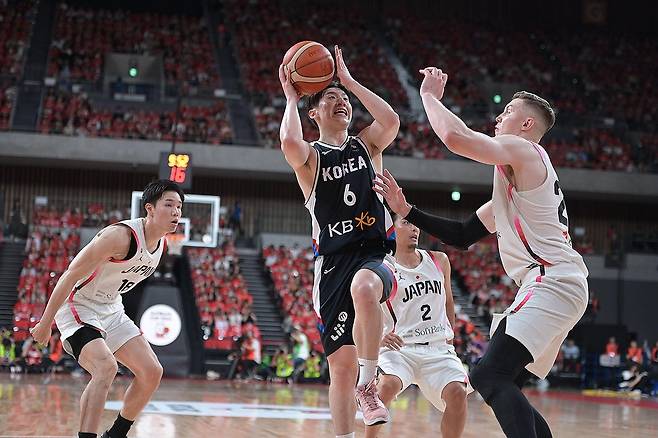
(374, 245)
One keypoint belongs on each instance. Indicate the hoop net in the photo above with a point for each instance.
(175, 243)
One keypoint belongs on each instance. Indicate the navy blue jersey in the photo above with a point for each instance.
(344, 209)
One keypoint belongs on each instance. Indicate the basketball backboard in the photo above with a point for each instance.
(200, 221)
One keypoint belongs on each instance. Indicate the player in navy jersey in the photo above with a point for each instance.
(86, 305)
(352, 233)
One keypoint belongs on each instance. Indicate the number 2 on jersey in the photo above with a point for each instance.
(560, 209)
(426, 309)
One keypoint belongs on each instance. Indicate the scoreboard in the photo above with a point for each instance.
(176, 167)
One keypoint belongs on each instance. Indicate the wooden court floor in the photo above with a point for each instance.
(35, 405)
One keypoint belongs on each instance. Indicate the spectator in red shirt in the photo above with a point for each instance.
(612, 349)
(634, 353)
(251, 355)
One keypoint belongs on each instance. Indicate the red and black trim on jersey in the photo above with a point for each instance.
(134, 245)
(524, 240)
(72, 308)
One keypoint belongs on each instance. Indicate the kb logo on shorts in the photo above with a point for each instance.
(339, 329)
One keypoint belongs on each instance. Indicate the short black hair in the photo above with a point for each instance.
(539, 104)
(313, 100)
(155, 189)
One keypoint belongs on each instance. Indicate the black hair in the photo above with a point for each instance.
(313, 100)
(155, 189)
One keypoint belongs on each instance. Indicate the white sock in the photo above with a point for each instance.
(347, 435)
(367, 370)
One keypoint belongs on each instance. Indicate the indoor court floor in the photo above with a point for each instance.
(43, 406)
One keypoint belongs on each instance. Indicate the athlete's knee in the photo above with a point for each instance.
(150, 373)
(454, 395)
(483, 380)
(366, 291)
(343, 372)
(104, 369)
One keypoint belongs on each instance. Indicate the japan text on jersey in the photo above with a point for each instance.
(417, 310)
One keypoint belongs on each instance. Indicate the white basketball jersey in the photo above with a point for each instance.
(416, 310)
(533, 226)
(115, 277)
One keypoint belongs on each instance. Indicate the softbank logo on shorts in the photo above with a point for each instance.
(339, 329)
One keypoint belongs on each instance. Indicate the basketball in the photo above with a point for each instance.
(311, 66)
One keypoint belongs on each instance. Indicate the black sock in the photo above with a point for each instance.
(120, 427)
(86, 435)
(541, 426)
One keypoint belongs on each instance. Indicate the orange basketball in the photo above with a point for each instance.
(311, 67)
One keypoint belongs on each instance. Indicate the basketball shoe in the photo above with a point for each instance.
(374, 411)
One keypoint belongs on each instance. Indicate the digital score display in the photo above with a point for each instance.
(176, 167)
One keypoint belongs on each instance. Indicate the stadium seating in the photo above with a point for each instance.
(565, 68)
(291, 270)
(15, 31)
(7, 99)
(53, 243)
(474, 55)
(221, 295)
(74, 114)
(83, 36)
(262, 34)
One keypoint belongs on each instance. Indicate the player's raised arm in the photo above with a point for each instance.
(383, 130)
(460, 234)
(459, 138)
(112, 242)
(294, 147)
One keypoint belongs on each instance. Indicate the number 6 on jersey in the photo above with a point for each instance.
(349, 197)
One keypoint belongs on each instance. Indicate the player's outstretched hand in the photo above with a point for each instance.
(434, 82)
(392, 341)
(41, 333)
(286, 84)
(342, 72)
(388, 187)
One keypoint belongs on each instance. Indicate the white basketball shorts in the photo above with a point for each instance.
(110, 319)
(431, 367)
(545, 309)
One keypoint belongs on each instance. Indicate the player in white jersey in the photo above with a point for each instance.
(417, 345)
(87, 308)
(528, 214)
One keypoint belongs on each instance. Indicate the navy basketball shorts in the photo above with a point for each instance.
(332, 297)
